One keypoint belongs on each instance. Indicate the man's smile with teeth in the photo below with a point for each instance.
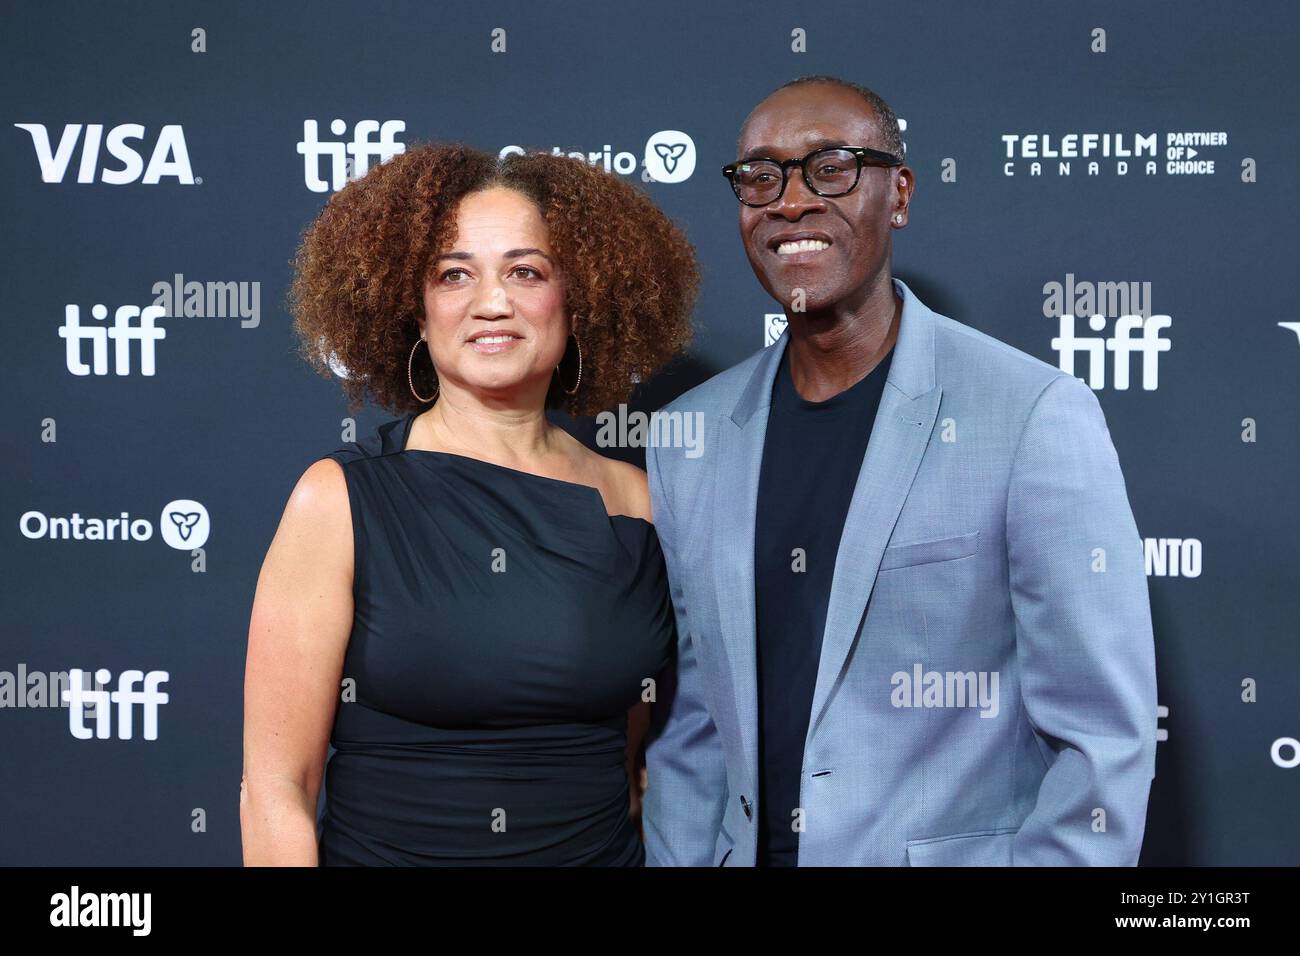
(802, 245)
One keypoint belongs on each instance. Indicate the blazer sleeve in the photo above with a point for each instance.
(686, 780)
(1083, 635)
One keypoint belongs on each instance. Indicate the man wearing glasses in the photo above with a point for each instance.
(913, 625)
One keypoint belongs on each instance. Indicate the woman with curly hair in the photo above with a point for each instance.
(488, 593)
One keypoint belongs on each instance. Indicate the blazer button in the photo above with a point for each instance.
(749, 810)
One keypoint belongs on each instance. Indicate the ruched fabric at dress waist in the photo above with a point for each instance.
(499, 752)
(365, 730)
(528, 795)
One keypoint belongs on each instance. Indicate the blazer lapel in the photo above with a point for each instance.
(740, 460)
(899, 437)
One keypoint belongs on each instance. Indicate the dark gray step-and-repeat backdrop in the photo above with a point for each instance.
(1077, 165)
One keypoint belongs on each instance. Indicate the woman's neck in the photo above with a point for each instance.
(460, 424)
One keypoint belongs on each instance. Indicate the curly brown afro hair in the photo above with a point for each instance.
(357, 297)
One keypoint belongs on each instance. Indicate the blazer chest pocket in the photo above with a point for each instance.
(929, 552)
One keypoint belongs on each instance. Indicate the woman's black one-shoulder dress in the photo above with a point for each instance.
(504, 625)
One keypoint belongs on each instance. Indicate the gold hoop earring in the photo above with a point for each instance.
(410, 380)
(578, 381)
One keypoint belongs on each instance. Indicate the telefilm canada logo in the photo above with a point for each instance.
(1062, 155)
(183, 524)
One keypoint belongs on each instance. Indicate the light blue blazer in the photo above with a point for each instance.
(989, 538)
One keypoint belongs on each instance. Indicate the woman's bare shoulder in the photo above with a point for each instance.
(321, 493)
(632, 488)
(316, 527)
(623, 485)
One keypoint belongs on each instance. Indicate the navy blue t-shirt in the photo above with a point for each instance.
(812, 454)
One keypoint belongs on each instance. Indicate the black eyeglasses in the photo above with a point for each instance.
(833, 171)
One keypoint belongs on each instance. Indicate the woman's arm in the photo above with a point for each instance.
(297, 638)
(638, 719)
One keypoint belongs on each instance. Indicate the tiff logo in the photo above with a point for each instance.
(1121, 342)
(122, 333)
(1131, 301)
(347, 160)
(78, 697)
